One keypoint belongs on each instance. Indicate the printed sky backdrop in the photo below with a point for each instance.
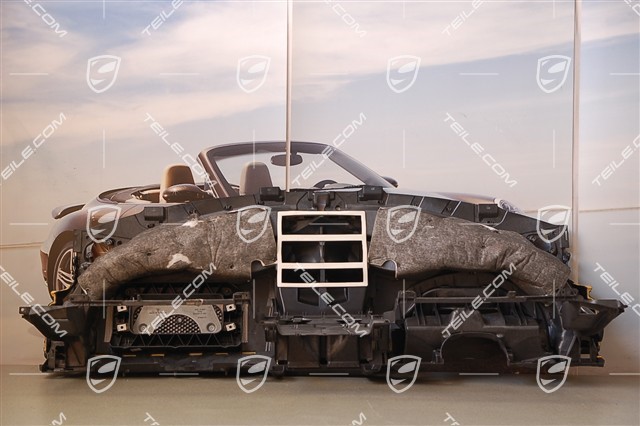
(183, 73)
(478, 63)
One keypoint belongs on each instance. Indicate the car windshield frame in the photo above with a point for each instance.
(210, 156)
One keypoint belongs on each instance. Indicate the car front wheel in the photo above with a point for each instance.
(63, 274)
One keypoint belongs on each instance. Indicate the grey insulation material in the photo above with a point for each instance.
(197, 245)
(455, 244)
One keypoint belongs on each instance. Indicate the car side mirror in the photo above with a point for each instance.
(391, 180)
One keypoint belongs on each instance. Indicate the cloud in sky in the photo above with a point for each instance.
(330, 53)
(203, 42)
(184, 71)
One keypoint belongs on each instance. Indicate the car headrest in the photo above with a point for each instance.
(255, 175)
(175, 174)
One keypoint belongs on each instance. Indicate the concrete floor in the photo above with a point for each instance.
(29, 398)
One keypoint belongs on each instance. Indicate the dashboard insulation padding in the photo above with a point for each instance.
(213, 245)
(446, 243)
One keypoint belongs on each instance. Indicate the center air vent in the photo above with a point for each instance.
(323, 249)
